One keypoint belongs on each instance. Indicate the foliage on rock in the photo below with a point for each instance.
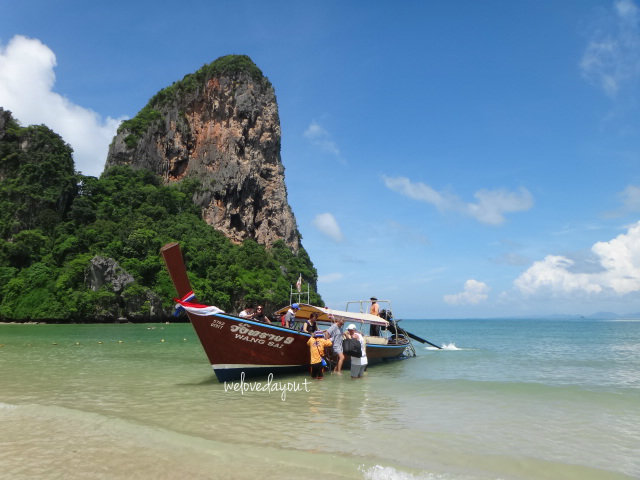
(55, 221)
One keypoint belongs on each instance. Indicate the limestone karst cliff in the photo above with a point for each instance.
(221, 126)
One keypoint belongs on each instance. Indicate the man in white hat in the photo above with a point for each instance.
(358, 365)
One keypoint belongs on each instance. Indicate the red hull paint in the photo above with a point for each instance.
(231, 340)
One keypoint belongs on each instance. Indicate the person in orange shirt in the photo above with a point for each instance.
(316, 349)
(375, 308)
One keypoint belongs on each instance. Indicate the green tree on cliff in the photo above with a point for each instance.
(53, 221)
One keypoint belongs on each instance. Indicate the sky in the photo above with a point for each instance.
(461, 159)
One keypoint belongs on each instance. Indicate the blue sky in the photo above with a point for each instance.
(464, 159)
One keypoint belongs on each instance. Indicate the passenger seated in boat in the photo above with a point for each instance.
(247, 313)
(317, 344)
(311, 325)
(260, 315)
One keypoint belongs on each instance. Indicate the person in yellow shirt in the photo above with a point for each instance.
(316, 349)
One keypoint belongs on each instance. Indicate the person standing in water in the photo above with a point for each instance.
(334, 332)
(317, 344)
(358, 365)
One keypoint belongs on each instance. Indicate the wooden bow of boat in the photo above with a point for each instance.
(175, 266)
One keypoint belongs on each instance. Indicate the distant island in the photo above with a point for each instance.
(200, 164)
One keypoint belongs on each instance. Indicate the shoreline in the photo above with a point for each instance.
(113, 322)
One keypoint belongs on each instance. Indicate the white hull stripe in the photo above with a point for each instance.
(223, 366)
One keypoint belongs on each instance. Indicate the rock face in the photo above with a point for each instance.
(219, 125)
(103, 271)
(139, 305)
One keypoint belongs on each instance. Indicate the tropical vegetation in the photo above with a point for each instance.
(54, 221)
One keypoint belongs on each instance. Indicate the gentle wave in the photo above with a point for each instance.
(446, 346)
(379, 472)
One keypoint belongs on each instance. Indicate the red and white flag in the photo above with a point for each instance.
(299, 283)
(198, 309)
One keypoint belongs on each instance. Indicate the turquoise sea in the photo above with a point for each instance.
(506, 399)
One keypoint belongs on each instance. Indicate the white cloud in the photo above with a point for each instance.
(474, 293)
(330, 277)
(553, 273)
(320, 137)
(618, 272)
(612, 57)
(493, 204)
(327, 224)
(490, 207)
(27, 79)
(630, 197)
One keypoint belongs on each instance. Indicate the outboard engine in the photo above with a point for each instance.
(393, 328)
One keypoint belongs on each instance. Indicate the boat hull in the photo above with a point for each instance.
(237, 346)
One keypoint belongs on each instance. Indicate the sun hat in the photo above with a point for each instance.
(295, 306)
(351, 327)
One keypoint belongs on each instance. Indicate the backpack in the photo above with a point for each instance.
(352, 347)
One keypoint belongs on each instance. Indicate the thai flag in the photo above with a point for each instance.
(198, 309)
(299, 283)
(178, 308)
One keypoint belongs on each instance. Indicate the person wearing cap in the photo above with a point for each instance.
(358, 365)
(375, 308)
(334, 332)
(317, 344)
(290, 316)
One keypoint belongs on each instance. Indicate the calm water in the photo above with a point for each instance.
(507, 399)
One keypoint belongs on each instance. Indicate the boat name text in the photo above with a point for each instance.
(244, 332)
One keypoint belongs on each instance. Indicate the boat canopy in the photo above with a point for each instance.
(326, 314)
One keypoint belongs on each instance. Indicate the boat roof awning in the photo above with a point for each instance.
(325, 315)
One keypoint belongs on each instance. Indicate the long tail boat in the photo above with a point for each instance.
(236, 345)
